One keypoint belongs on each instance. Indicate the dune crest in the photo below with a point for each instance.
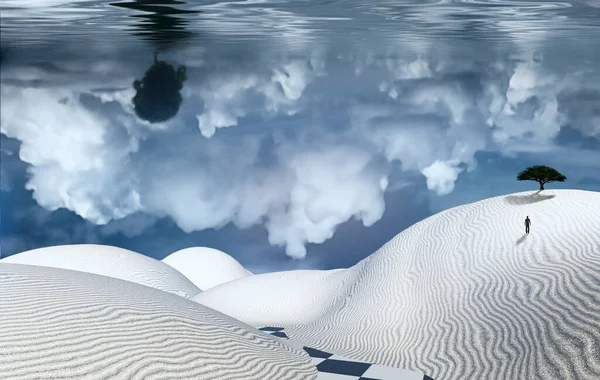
(206, 267)
(463, 294)
(109, 261)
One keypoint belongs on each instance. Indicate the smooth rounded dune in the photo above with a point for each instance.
(112, 262)
(62, 324)
(464, 294)
(301, 296)
(206, 267)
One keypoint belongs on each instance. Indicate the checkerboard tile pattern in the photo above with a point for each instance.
(334, 367)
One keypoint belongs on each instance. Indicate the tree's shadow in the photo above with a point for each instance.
(517, 200)
(521, 239)
(159, 21)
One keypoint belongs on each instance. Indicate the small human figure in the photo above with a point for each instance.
(527, 224)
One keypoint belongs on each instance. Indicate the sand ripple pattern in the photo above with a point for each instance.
(465, 294)
(62, 324)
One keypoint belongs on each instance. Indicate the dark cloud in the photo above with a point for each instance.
(582, 110)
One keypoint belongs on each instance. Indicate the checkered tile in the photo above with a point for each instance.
(334, 367)
(276, 331)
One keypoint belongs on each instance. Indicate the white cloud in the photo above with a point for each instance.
(436, 127)
(71, 161)
(298, 176)
(230, 97)
(441, 176)
(79, 160)
(293, 78)
(578, 103)
(223, 101)
(403, 69)
(531, 105)
(329, 187)
(211, 119)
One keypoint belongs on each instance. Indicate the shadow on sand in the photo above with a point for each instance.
(521, 239)
(517, 200)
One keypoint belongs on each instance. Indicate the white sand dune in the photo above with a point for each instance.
(112, 262)
(206, 267)
(464, 294)
(335, 367)
(303, 297)
(62, 324)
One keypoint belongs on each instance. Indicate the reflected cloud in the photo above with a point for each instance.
(297, 132)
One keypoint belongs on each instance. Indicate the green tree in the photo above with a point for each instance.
(541, 174)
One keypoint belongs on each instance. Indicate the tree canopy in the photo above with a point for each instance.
(541, 174)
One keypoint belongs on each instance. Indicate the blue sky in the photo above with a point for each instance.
(303, 141)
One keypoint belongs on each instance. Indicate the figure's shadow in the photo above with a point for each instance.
(521, 239)
(517, 200)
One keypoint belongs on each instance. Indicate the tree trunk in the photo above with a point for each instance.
(541, 186)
